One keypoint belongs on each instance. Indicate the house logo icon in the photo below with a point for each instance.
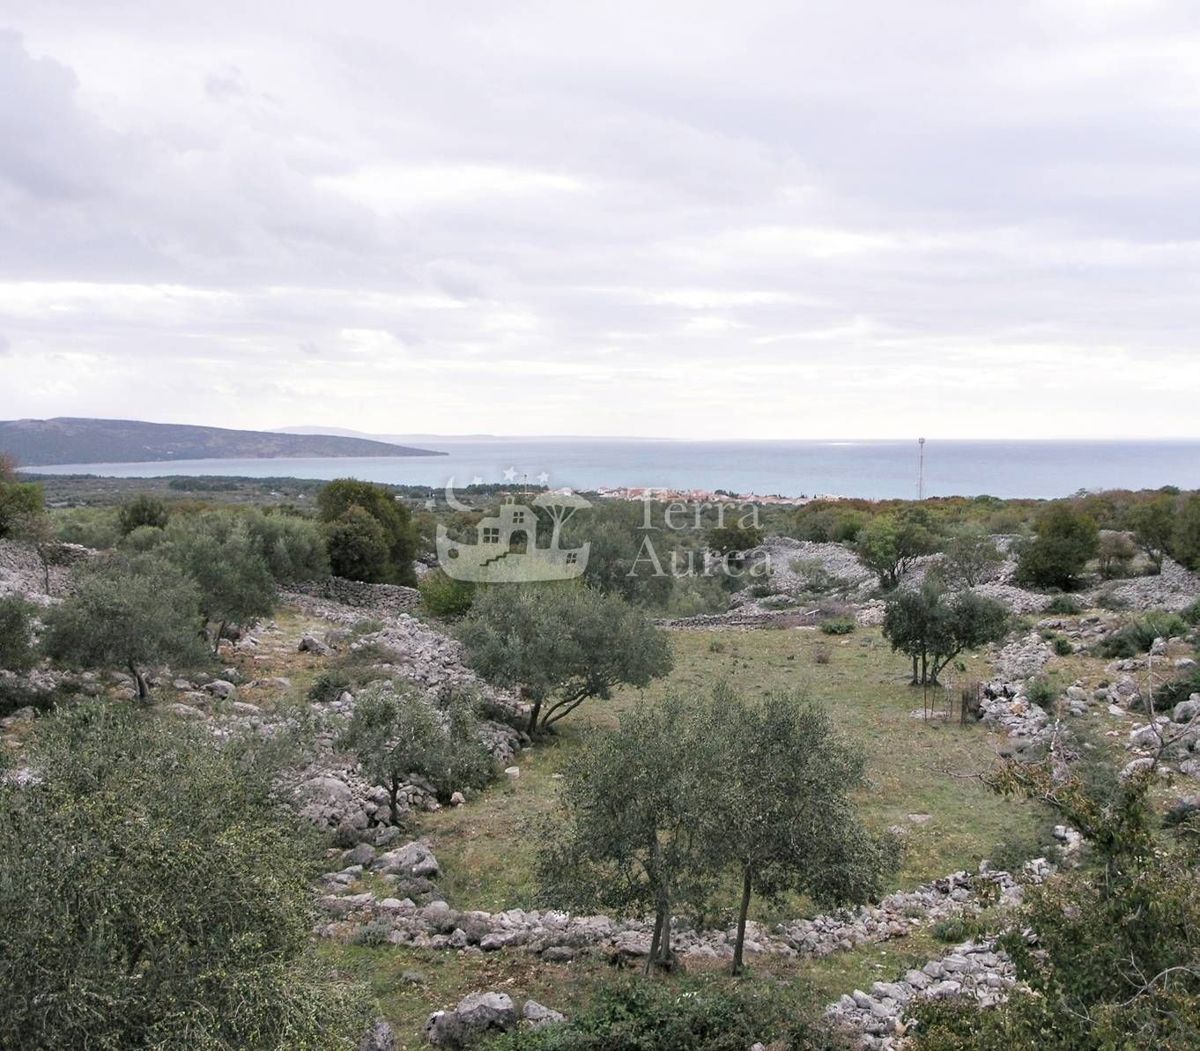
(507, 550)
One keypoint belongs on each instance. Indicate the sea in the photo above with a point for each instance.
(870, 469)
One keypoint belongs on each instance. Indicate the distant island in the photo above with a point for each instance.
(68, 440)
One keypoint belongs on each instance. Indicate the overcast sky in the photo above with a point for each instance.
(741, 219)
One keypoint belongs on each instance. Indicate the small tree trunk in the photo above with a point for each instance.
(915, 680)
(534, 714)
(393, 800)
(45, 567)
(662, 922)
(747, 888)
(924, 669)
(655, 941)
(217, 640)
(143, 689)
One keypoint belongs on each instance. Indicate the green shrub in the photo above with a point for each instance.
(1064, 606)
(1062, 646)
(16, 694)
(153, 894)
(16, 633)
(1066, 540)
(142, 510)
(694, 1015)
(1171, 693)
(1042, 692)
(1138, 635)
(955, 929)
(1111, 601)
(443, 596)
(94, 527)
(1192, 613)
(838, 626)
(330, 685)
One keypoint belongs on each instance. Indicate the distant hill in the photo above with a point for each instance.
(65, 439)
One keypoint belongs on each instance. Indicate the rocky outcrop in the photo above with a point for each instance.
(475, 1017)
(22, 571)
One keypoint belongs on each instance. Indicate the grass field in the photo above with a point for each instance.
(918, 769)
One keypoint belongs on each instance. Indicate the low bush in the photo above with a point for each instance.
(1192, 613)
(1062, 646)
(1064, 606)
(698, 1015)
(838, 626)
(443, 596)
(1138, 635)
(16, 633)
(1042, 692)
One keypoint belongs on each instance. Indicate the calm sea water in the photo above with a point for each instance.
(792, 468)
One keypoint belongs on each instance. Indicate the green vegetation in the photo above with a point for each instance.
(890, 544)
(561, 645)
(1118, 943)
(18, 500)
(397, 734)
(151, 896)
(1064, 605)
(142, 510)
(933, 629)
(970, 557)
(129, 612)
(443, 596)
(370, 533)
(1138, 635)
(1066, 539)
(699, 1015)
(16, 633)
(838, 626)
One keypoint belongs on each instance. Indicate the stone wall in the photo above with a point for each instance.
(386, 600)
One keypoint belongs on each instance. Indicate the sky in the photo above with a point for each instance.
(856, 219)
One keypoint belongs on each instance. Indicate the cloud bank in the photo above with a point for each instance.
(760, 219)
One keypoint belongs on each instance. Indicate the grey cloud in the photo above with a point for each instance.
(667, 189)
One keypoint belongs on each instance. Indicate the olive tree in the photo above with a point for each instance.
(1153, 523)
(788, 819)
(933, 629)
(18, 499)
(561, 645)
(969, 559)
(639, 812)
(142, 510)
(152, 895)
(128, 612)
(398, 735)
(889, 545)
(218, 552)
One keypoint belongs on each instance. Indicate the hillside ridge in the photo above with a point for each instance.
(69, 439)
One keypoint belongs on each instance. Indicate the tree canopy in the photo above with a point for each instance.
(127, 611)
(561, 645)
(399, 536)
(153, 896)
(1064, 542)
(933, 629)
(890, 544)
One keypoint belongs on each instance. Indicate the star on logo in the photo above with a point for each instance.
(510, 474)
